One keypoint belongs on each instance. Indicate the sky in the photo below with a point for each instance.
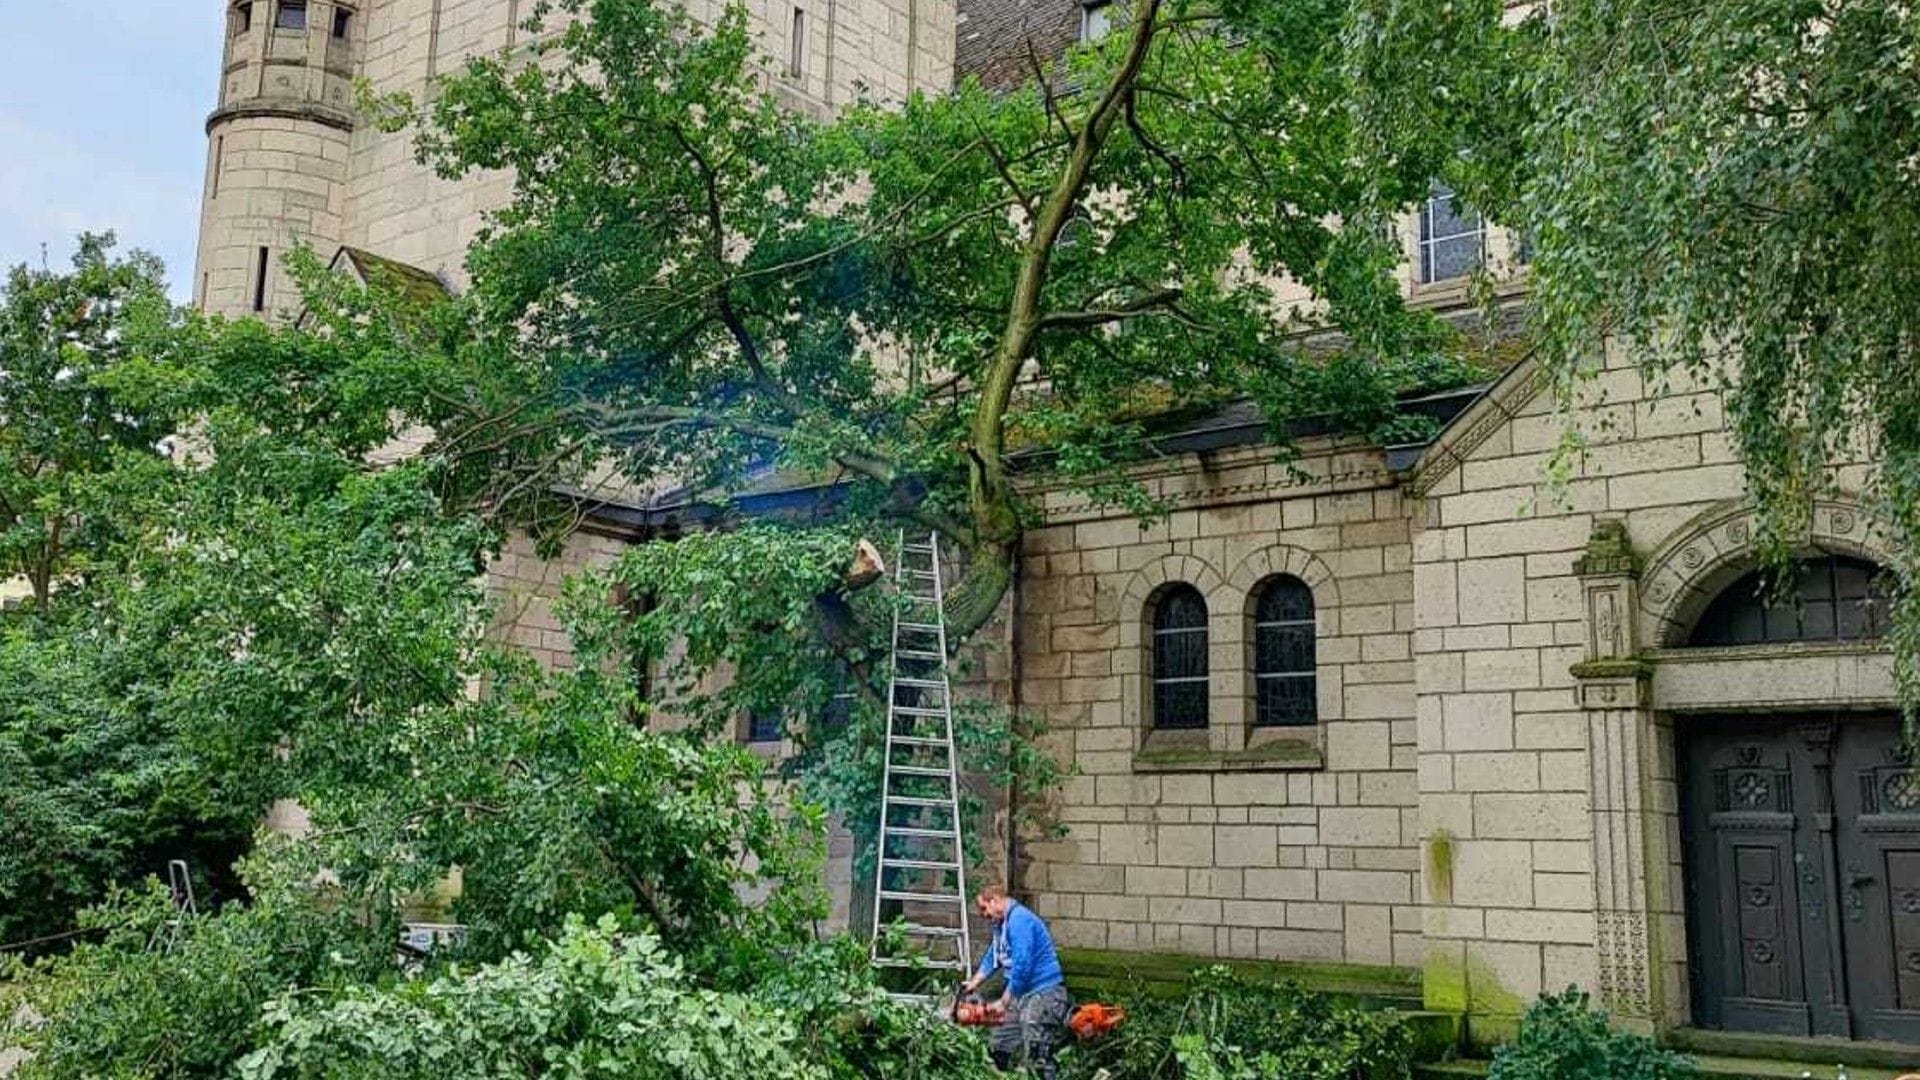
(103, 109)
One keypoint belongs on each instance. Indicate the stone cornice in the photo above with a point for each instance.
(283, 110)
(1501, 403)
(1088, 509)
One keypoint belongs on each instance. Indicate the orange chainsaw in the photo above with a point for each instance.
(970, 1011)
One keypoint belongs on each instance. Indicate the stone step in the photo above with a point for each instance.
(1711, 1068)
(1853, 1054)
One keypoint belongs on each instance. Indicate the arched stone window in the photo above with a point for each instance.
(1180, 658)
(1284, 690)
(1834, 598)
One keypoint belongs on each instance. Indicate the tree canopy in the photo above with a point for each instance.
(1732, 191)
(900, 299)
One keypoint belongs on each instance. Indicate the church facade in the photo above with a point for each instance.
(1403, 706)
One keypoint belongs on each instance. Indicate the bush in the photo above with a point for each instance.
(1563, 1038)
(164, 993)
(593, 1002)
(1231, 1028)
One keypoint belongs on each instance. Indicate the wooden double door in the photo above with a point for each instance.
(1802, 847)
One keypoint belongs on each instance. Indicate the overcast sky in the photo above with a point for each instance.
(103, 107)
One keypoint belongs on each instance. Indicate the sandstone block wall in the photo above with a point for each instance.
(277, 159)
(1505, 776)
(346, 182)
(882, 49)
(1310, 858)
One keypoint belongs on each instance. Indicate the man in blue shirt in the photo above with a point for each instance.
(1035, 998)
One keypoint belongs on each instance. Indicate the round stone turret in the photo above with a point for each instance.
(277, 148)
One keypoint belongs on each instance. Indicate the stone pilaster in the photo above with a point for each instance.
(1621, 756)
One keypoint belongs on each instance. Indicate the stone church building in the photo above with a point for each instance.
(1404, 706)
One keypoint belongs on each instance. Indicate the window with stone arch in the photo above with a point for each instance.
(1285, 688)
(1830, 598)
(1179, 672)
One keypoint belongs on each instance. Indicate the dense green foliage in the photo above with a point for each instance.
(1563, 1038)
(279, 612)
(239, 598)
(64, 339)
(164, 994)
(597, 1002)
(96, 791)
(711, 285)
(1730, 192)
(1228, 1027)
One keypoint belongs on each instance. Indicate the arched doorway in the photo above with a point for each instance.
(1801, 829)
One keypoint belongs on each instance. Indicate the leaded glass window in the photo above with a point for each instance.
(1834, 598)
(1180, 659)
(1285, 693)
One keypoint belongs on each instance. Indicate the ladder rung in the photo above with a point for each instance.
(917, 740)
(918, 864)
(922, 898)
(918, 962)
(949, 835)
(917, 801)
(923, 930)
(918, 549)
(919, 710)
(921, 684)
(916, 654)
(920, 627)
(917, 770)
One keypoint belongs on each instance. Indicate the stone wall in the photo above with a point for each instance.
(283, 180)
(1548, 800)
(1290, 843)
(277, 160)
(399, 209)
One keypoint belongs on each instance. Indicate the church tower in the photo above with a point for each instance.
(278, 147)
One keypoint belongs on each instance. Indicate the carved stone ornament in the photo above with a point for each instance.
(1620, 939)
(1608, 551)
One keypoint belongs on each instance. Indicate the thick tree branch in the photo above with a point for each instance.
(990, 494)
(1159, 299)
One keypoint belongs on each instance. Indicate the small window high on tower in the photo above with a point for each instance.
(797, 47)
(291, 15)
(342, 22)
(242, 18)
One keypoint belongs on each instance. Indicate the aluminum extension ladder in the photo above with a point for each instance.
(920, 875)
